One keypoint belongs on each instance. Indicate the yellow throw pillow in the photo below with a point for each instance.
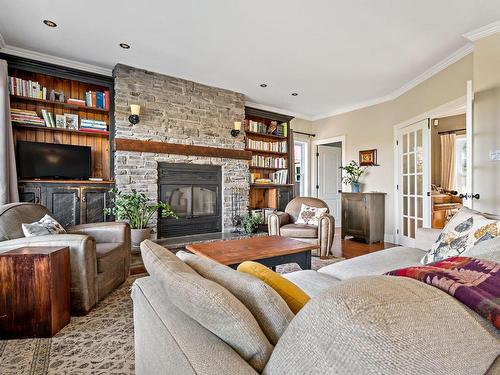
(294, 297)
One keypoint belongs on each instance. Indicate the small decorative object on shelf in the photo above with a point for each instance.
(353, 172)
(71, 121)
(368, 158)
(56, 96)
(135, 109)
(236, 200)
(134, 208)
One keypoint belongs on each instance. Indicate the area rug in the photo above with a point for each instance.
(100, 343)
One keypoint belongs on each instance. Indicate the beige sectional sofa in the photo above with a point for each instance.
(357, 322)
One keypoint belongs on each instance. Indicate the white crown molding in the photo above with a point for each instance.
(483, 32)
(21, 52)
(443, 64)
(278, 110)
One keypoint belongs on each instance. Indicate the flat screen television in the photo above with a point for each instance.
(56, 161)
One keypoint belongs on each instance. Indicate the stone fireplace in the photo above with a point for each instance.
(177, 111)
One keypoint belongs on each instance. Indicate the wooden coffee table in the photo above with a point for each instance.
(271, 251)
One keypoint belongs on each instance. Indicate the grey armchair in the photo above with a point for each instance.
(284, 224)
(99, 253)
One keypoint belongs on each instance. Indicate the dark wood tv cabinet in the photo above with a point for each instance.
(70, 202)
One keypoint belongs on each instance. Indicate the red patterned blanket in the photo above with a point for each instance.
(474, 282)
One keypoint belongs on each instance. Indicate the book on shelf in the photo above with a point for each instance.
(263, 181)
(279, 177)
(93, 124)
(20, 116)
(97, 99)
(274, 128)
(268, 162)
(280, 146)
(77, 102)
(27, 88)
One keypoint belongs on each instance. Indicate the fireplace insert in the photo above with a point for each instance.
(194, 192)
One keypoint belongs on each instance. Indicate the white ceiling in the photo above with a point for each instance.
(335, 54)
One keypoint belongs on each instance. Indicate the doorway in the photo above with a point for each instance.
(330, 155)
(301, 163)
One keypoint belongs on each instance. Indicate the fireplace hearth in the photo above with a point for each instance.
(194, 191)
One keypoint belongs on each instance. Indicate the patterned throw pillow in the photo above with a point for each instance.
(310, 215)
(465, 230)
(46, 225)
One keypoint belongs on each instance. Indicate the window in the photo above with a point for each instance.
(301, 164)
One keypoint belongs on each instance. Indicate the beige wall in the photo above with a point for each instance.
(486, 123)
(373, 127)
(445, 124)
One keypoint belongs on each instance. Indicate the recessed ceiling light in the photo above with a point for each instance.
(124, 45)
(263, 85)
(50, 23)
(294, 94)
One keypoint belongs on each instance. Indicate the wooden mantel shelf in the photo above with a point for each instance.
(122, 144)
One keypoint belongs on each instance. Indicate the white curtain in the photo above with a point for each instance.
(8, 175)
(448, 161)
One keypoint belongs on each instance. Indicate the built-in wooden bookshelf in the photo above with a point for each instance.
(74, 84)
(273, 146)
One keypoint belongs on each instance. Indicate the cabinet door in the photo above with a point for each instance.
(354, 219)
(94, 201)
(31, 194)
(64, 203)
(285, 195)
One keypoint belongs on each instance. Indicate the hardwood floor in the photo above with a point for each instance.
(350, 248)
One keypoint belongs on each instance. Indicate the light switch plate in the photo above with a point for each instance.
(495, 155)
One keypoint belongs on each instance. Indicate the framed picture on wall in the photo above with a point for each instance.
(368, 157)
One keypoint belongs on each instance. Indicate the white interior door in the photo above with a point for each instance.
(468, 200)
(414, 181)
(329, 179)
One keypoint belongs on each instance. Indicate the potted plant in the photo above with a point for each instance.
(353, 172)
(134, 208)
(251, 223)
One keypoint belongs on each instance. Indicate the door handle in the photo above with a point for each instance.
(475, 196)
(463, 196)
(472, 196)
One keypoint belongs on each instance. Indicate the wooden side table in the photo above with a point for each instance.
(34, 291)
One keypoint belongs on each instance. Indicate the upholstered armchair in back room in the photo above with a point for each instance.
(99, 253)
(284, 224)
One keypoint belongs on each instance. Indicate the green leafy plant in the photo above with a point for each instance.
(251, 223)
(134, 208)
(353, 171)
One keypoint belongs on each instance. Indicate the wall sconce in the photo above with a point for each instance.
(135, 109)
(237, 128)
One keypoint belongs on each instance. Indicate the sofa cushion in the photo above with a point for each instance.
(108, 255)
(311, 282)
(376, 263)
(207, 302)
(43, 227)
(384, 325)
(266, 305)
(291, 293)
(465, 230)
(299, 231)
(310, 215)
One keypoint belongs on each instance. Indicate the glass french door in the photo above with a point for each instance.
(414, 181)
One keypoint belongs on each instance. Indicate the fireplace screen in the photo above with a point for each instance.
(194, 193)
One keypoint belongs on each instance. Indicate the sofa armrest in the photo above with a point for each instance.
(326, 231)
(425, 238)
(275, 221)
(104, 232)
(83, 265)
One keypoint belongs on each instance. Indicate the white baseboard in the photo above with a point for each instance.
(389, 238)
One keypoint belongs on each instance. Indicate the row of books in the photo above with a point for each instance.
(267, 146)
(273, 128)
(97, 99)
(22, 116)
(28, 88)
(279, 177)
(93, 125)
(268, 162)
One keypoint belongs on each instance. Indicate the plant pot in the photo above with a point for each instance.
(139, 235)
(355, 187)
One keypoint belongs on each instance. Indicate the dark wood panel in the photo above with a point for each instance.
(122, 144)
(64, 204)
(34, 291)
